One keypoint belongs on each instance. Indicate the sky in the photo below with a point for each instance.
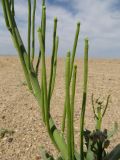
(99, 19)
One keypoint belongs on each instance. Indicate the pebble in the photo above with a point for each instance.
(10, 139)
(3, 117)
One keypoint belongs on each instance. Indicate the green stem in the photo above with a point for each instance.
(55, 64)
(71, 69)
(44, 75)
(32, 78)
(17, 41)
(84, 99)
(38, 62)
(43, 24)
(52, 60)
(42, 97)
(99, 118)
(47, 113)
(5, 15)
(13, 11)
(58, 139)
(72, 109)
(29, 31)
(106, 106)
(43, 2)
(74, 48)
(92, 99)
(43, 28)
(64, 118)
(68, 109)
(33, 30)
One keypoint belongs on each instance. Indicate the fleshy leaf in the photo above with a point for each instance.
(90, 154)
(114, 154)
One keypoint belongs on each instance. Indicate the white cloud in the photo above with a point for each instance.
(98, 21)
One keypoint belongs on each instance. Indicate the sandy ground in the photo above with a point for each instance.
(19, 110)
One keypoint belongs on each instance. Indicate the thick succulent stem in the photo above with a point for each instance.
(64, 118)
(42, 97)
(43, 24)
(38, 62)
(5, 15)
(44, 79)
(68, 108)
(42, 93)
(43, 2)
(29, 31)
(43, 28)
(99, 119)
(12, 27)
(82, 117)
(33, 30)
(74, 48)
(13, 11)
(71, 69)
(53, 65)
(58, 138)
(72, 109)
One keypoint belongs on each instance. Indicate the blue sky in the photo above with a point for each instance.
(100, 22)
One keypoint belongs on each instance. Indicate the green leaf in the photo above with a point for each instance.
(114, 154)
(90, 154)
